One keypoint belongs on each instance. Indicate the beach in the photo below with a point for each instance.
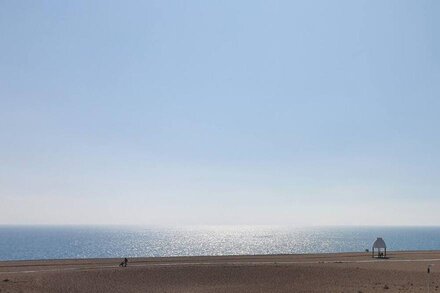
(340, 272)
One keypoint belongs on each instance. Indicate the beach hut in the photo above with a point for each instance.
(380, 246)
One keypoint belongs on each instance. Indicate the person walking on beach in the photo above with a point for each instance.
(124, 263)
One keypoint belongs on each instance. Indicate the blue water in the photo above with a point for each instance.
(49, 242)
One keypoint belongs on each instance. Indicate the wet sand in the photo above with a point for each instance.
(346, 272)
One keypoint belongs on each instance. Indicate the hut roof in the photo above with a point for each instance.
(379, 243)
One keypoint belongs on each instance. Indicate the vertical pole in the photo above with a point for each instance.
(429, 273)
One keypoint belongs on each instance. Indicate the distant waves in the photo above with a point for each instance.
(47, 242)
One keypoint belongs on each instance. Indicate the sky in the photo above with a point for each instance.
(220, 112)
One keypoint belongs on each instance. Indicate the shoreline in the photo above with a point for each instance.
(223, 255)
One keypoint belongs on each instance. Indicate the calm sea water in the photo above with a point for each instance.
(46, 242)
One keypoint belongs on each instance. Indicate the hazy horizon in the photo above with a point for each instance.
(218, 226)
(298, 113)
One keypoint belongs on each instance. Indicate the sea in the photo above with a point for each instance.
(64, 242)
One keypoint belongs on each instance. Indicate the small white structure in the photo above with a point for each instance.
(380, 246)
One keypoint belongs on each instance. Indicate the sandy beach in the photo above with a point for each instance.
(345, 272)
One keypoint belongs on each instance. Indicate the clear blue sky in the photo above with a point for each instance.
(220, 112)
